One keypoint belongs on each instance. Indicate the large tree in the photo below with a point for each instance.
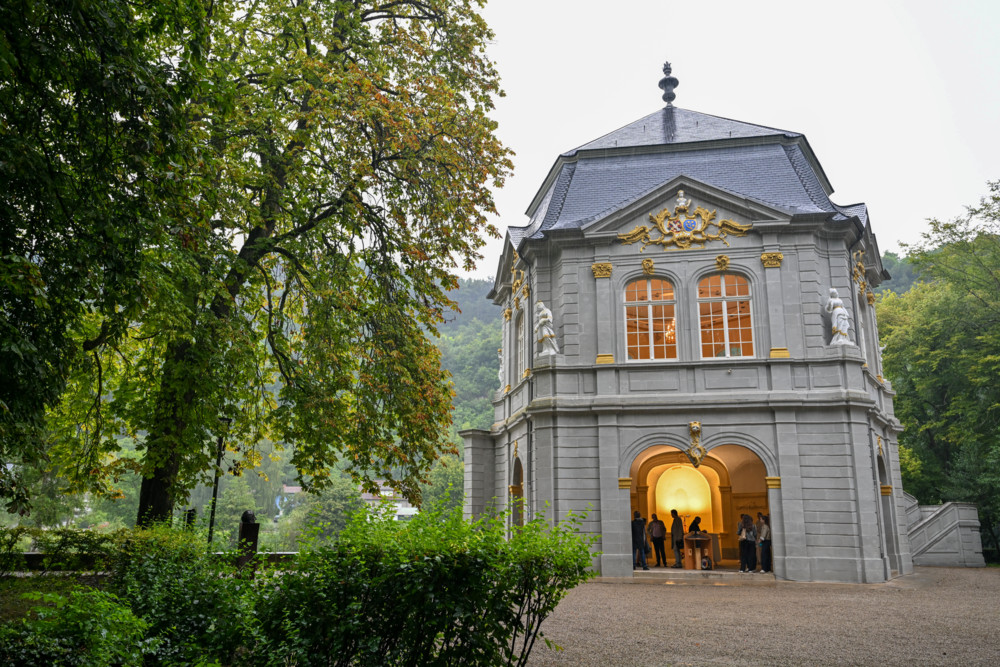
(341, 171)
(943, 356)
(89, 123)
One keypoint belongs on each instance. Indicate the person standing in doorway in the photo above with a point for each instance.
(657, 533)
(759, 525)
(639, 541)
(677, 537)
(748, 542)
(765, 545)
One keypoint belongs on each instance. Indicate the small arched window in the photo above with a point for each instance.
(724, 316)
(650, 324)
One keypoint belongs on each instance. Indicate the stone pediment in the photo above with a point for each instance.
(685, 213)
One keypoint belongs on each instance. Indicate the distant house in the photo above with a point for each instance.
(404, 510)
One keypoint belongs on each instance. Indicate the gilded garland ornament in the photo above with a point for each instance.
(695, 452)
(683, 228)
(859, 268)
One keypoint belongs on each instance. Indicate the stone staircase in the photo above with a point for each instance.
(944, 535)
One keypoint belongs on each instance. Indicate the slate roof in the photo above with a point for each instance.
(672, 125)
(767, 165)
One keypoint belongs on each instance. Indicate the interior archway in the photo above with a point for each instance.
(687, 490)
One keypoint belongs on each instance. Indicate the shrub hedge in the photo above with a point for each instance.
(436, 590)
(86, 627)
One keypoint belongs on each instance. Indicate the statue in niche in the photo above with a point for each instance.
(840, 321)
(545, 330)
(500, 359)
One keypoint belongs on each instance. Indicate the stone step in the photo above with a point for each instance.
(721, 577)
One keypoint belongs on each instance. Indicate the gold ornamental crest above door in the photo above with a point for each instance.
(683, 228)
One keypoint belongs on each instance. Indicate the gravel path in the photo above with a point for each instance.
(936, 616)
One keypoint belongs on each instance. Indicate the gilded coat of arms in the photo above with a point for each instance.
(683, 228)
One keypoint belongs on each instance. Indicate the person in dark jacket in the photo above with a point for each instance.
(677, 538)
(765, 544)
(639, 541)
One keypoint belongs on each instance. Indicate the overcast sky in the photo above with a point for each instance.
(899, 100)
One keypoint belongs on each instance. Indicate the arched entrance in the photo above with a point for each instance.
(728, 482)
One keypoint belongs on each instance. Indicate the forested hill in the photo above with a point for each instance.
(469, 341)
(902, 271)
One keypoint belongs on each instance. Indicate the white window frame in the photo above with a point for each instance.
(726, 300)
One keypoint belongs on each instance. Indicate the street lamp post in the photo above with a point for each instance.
(215, 485)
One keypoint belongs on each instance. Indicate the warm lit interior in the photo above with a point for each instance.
(683, 488)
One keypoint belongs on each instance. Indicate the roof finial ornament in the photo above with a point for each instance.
(668, 83)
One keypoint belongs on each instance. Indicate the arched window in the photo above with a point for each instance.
(724, 316)
(650, 327)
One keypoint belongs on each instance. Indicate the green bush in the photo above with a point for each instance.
(193, 602)
(85, 627)
(13, 542)
(436, 590)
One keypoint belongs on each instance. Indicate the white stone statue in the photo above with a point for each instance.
(840, 321)
(500, 359)
(545, 330)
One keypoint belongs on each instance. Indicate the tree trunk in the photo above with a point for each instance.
(167, 438)
(155, 502)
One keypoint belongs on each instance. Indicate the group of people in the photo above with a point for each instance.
(754, 541)
(657, 533)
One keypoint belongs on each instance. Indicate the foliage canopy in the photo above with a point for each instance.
(943, 356)
(90, 122)
(331, 172)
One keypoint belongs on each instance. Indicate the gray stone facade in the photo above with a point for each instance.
(790, 425)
